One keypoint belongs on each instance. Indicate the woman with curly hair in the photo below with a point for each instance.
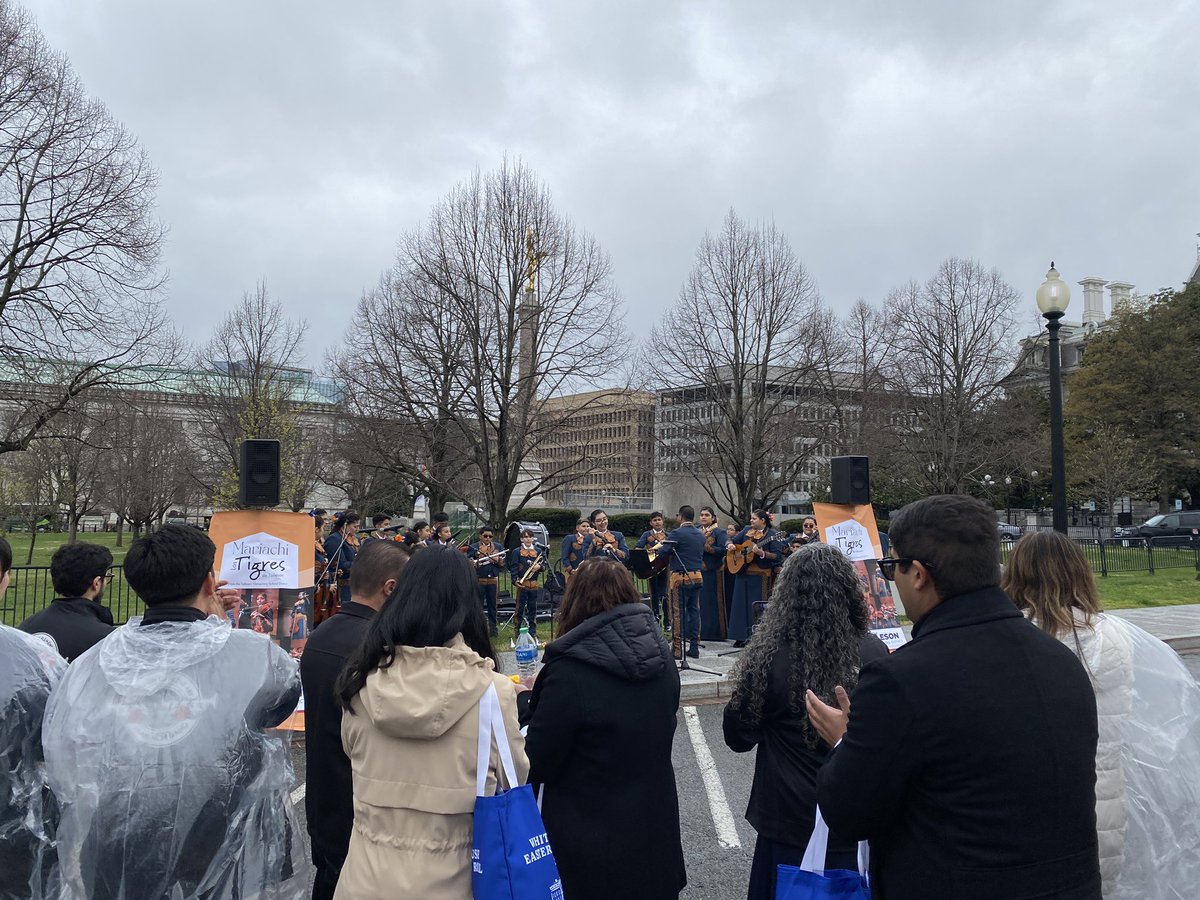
(1148, 755)
(813, 636)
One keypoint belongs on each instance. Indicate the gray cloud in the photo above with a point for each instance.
(296, 141)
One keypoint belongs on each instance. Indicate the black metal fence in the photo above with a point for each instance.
(30, 590)
(1128, 556)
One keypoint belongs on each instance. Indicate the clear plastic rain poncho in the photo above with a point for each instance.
(167, 784)
(29, 668)
(1147, 762)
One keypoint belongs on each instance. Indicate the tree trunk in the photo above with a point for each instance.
(120, 531)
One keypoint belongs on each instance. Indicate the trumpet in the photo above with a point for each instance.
(528, 581)
(489, 558)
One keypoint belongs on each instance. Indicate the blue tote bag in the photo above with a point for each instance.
(812, 882)
(510, 855)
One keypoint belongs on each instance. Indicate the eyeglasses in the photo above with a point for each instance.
(887, 565)
(108, 576)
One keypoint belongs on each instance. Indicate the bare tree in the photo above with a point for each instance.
(494, 306)
(150, 468)
(248, 387)
(951, 345)
(79, 242)
(741, 346)
(75, 456)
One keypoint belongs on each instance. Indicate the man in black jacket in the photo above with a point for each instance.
(328, 798)
(968, 760)
(75, 620)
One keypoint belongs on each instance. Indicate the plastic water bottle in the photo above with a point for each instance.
(527, 651)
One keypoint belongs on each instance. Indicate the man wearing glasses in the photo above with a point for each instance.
(968, 756)
(75, 620)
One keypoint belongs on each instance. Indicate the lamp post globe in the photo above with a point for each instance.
(1052, 299)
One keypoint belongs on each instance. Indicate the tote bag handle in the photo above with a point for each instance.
(818, 844)
(491, 723)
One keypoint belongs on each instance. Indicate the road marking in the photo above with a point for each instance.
(298, 794)
(722, 816)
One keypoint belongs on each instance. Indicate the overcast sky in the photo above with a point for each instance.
(295, 141)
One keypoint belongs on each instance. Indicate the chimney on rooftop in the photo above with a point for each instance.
(1119, 292)
(1093, 300)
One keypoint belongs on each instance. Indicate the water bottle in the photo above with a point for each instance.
(527, 651)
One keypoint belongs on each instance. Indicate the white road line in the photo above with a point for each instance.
(298, 794)
(722, 816)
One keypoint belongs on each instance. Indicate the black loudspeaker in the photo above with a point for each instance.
(850, 480)
(258, 483)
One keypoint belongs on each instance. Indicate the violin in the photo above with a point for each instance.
(604, 542)
(652, 549)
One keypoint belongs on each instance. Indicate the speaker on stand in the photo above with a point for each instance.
(258, 474)
(850, 480)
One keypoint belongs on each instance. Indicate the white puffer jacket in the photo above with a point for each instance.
(1147, 761)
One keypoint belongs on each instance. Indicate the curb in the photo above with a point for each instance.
(1184, 643)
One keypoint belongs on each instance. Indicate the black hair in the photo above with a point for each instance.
(955, 536)
(582, 522)
(349, 517)
(5, 556)
(656, 515)
(593, 514)
(708, 509)
(376, 563)
(437, 598)
(764, 515)
(486, 528)
(169, 565)
(687, 513)
(379, 518)
(525, 532)
(418, 525)
(74, 567)
(440, 517)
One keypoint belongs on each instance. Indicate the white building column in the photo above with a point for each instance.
(1093, 300)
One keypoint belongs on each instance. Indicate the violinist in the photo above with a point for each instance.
(521, 565)
(340, 548)
(606, 544)
(712, 593)
(752, 583)
(445, 538)
(379, 522)
(420, 534)
(323, 595)
(486, 557)
(575, 547)
(650, 540)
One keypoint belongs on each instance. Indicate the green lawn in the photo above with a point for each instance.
(47, 543)
(1166, 587)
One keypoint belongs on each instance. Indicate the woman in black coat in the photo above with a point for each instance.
(601, 720)
(812, 636)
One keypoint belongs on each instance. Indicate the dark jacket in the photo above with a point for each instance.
(688, 555)
(328, 798)
(601, 724)
(75, 624)
(969, 761)
(783, 797)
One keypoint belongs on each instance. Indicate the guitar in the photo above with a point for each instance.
(739, 555)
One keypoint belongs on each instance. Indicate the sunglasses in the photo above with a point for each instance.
(887, 565)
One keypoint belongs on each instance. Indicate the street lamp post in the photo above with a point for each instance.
(1052, 299)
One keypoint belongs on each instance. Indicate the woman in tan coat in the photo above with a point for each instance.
(412, 693)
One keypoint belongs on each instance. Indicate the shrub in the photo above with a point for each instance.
(558, 521)
(631, 524)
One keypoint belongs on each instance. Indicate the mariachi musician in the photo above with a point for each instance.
(444, 537)
(526, 567)
(486, 557)
(752, 584)
(606, 544)
(712, 594)
(652, 540)
(340, 548)
(575, 547)
(324, 593)
(687, 557)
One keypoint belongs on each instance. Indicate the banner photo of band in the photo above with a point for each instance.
(269, 557)
(852, 529)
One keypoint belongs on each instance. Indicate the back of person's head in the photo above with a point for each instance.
(1048, 575)
(437, 598)
(817, 615)
(418, 525)
(597, 586)
(441, 518)
(687, 513)
(169, 565)
(955, 536)
(377, 563)
(5, 556)
(74, 567)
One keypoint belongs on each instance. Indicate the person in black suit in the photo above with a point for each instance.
(328, 799)
(687, 580)
(968, 758)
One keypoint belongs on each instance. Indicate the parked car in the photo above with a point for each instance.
(1166, 528)
(1009, 532)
